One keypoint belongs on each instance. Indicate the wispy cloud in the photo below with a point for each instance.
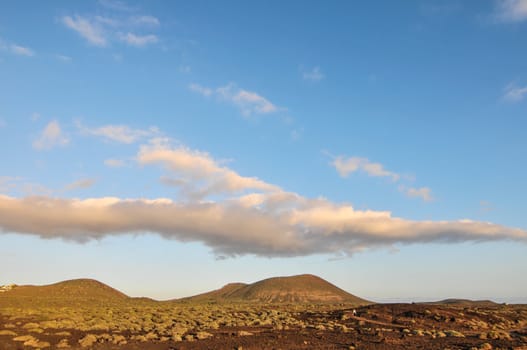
(119, 133)
(114, 163)
(21, 50)
(50, 137)
(64, 58)
(248, 102)
(35, 116)
(102, 30)
(185, 69)
(514, 93)
(511, 10)
(423, 193)
(202, 90)
(485, 206)
(117, 5)
(138, 40)
(80, 184)
(7, 183)
(346, 166)
(314, 74)
(349, 165)
(145, 20)
(252, 217)
(16, 49)
(198, 174)
(89, 29)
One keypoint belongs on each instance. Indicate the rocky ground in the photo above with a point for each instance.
(164, 326)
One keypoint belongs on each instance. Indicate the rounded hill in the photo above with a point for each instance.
(291, 289)
(79, 289)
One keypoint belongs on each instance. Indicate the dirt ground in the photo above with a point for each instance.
(378, 326)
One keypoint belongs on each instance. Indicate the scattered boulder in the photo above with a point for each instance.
(24, 338)
(63, 334)
(31, 325)
(139, 337)
(452, 333)
(88, 340)
(8, 332)
(37, 344)
(63, 344)
(119, 339)
(203, 335)
(151, 336)
(243, 333)
(501, 335)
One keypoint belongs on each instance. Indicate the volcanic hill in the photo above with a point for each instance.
(292, 289)
(71, 290)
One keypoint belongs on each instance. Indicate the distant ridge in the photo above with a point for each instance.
(453, 301)
(292, 289)
(78, 289)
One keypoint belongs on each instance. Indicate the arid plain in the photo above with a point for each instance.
(297, 312)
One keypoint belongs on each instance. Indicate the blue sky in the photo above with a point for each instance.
(168, 148)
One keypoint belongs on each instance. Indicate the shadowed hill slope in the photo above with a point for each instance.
(293, 289)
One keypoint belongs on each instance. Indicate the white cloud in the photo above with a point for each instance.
(485, 206)
(205, 91)
(16, 49)
(511, 10)
(146, 20)
(250, 217)
(514, 93)
(296, 134)
(50, 137)
(185, 69)
(138, 40)
(119, 133)
(87, 28)
(21, 50)
(423, 193)
(314, 74)
(64, 58)
(80, 184)
(248, 102)
(114, 163)
(7, 183)
(117, 5)
(198, 174)
(101, 30)
(346, 166)
(285, 226)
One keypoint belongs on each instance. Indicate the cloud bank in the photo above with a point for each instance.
(276, 225)
(232, 214)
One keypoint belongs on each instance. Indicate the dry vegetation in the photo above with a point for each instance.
(62, 320)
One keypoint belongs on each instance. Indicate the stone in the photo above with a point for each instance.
(8, 332)
(63, 344)
(88, 340)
